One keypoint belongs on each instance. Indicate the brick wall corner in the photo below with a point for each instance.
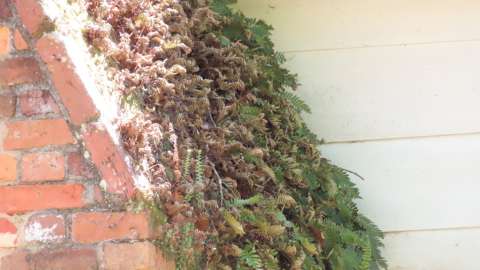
(64, 180)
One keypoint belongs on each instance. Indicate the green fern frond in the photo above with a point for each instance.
(187, 162)
(249, 112)
(297, 103)
(250, 258)
(199, 167)
(244, 202)
(374, 235)
(366, 257)
(270, 259)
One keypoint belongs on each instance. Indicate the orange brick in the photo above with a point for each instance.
(19, 41)
(4, 40)
(64, 259)
(31, 14)
(51, 259)
(71, 89)
(95, 227)
(140, 255)
(45, 228)
(37, 102)
(7, 105)
(15, 261)
(21, 199)
(8, 168)
(19, 70)
(43, 167)
(109, 161)
(37, 133)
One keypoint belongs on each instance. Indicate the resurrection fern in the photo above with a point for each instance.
(238, 180)
(195, 196)
(366, 257)
(374, 234)
(244, 202)
(270, 259)
(199, 168)
(182, 251)
(249, 259)
(187, 162)
(186, 245)
(296, 102)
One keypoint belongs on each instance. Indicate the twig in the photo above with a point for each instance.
(354, 173)
(220, 182)
(211, 119)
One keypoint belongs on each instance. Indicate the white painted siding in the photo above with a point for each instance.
(395, 90)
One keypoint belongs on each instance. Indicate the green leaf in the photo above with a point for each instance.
(222, 6)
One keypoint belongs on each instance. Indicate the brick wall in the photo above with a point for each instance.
(63, 181)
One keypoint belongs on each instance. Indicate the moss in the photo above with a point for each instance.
(45, 27)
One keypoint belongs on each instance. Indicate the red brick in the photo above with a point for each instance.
(7, 105)
(109, 161)
(43, 167)
(19, 41)
(64, 259)
(95, 227)
(45, 228)
(71, 89)
(19, 70)
(140, 255)
(6, 226)
(78, 167)
(8, 168)
(15, 261)
(21, 199)
(4, 10)
(4, 40)
(31, 14)
(37, 133)
(37, 102)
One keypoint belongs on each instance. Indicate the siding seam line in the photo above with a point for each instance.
(405, 44)
(437, 136)
(463, 228)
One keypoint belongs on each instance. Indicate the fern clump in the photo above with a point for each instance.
(237, 177)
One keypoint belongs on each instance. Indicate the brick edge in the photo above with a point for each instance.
(82, 112)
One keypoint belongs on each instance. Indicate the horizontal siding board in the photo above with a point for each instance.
(321, 24)
(433, 250)
(415, 184)
(391, 92)
(383, 73)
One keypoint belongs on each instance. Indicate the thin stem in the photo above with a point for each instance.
(220, 183)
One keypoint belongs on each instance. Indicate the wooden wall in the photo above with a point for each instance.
(394, 87)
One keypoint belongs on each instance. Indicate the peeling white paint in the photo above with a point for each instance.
(8, 240)
(36, 232)
(71, 18)
(103, 184)
(143, 184)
